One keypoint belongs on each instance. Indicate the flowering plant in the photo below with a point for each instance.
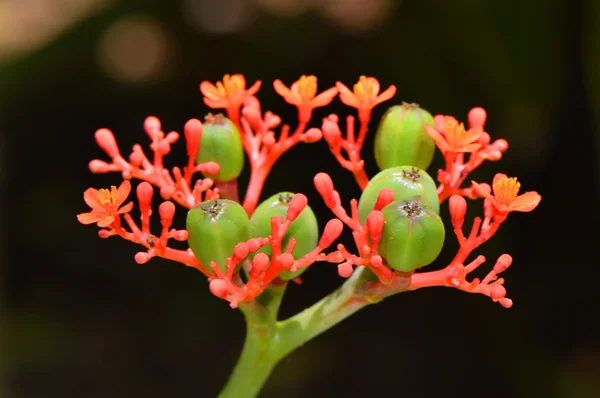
(249, 250)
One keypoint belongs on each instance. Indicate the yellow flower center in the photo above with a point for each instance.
(454, 133)
(307, 87)
(108, 197)
(230, 85)
(364, 88)
(506, 189)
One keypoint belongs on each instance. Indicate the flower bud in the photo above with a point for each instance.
(458, 209)
(401, 139)
(477, 117)
(413, 235)
(304, 228)
(220, 142)
(215, 227)
(406, 182)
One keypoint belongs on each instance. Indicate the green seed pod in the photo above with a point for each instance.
(406, 182)
(214, 228)
(413, 235)
(401, 139)
(221, 143)
(304, 228)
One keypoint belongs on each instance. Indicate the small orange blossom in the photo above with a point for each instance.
(506, 198)
(105, 204)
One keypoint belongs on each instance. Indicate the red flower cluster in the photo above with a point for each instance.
(263, 146)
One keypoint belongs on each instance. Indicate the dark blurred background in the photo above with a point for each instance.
(79, 318)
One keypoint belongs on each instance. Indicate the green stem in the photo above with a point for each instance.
(352, 296)
(268, 341)
(258, 358)
(254, 365)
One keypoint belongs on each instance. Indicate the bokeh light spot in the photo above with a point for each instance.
(356, 16)
(219, 16)
(286, 8)
(134, 49)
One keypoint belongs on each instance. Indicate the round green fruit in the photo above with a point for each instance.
(214, 228)
(220, 142)
(406, 182)
(304, 228)
(413, 235)
(401, 139)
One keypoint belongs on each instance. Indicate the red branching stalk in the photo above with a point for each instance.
(263, 148)
(263, 270)
(364, 98)
(368, 236)
(106, 213)
(174, 184)
(258, 130)
(454, 142)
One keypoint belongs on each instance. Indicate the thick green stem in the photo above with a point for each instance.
(258, 357)
(353, 295)
(254, 365)
(268, 341)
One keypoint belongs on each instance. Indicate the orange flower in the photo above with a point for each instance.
(505, 197)
(366, 94)
(454, 137)
(230, 93)
(105, 204)
(303, 94)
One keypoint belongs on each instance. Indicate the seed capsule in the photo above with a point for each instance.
(413, 235)
(221, 143)
(304, 228)
(406, 182)
(214, 228)
(401, 139)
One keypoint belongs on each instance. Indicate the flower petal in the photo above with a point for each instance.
(526, 202)
(471, 135)
(125, 209)
(238, 77)
(498, 177)
(347, 96)
(92, 198)
(210, 91)
(122, 193)
(106, 221)
(469, 148)
(217, 103)
(285, 92)
(324, 98)
(254, 88)
(386, 95)
(482, 192)
(440, 141)
(89, 218)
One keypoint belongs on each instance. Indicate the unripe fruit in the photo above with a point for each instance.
(413, 235)
(221, 143)
(401, 139)
(304, 228)
(406, 182)
(214, 228)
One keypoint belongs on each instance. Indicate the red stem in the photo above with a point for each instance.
(228, 190)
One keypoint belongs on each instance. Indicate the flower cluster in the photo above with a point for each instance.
(248, 270)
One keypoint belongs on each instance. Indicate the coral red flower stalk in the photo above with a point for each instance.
(364, 98)
(257, 130)
(173, 184)
(454, 141)
(264, 269)
(109, 216)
